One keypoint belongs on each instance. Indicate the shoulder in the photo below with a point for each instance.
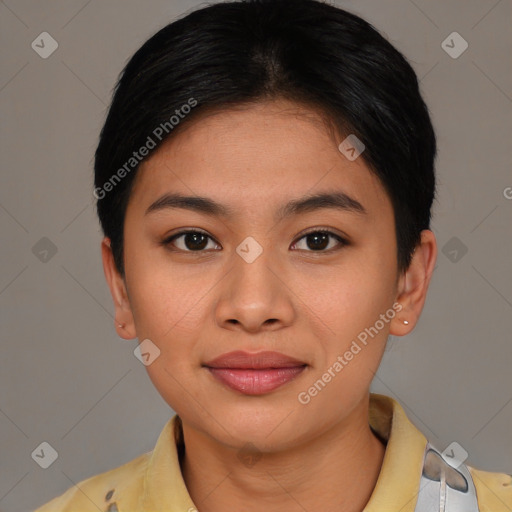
(106, 491)
(493, 490)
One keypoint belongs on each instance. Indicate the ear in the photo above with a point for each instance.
(413, 285)
(124, 324)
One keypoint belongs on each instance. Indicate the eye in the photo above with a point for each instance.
(318, 241)
(191, 241)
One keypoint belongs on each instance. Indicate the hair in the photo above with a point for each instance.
(242, 52)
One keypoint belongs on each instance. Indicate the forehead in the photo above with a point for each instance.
(257, 155)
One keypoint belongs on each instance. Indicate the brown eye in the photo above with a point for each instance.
(188, 241)
(318, 241)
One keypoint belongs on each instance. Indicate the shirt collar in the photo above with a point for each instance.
(397, 484)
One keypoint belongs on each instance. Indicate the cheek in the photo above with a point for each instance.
(165, 298)
(348, 294)
(166, 306)
(345, 304)
(166, 312)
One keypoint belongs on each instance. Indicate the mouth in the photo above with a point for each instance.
(256, 373)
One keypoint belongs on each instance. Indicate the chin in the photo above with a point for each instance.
(263, 426)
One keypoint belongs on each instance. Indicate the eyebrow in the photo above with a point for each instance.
(336, 200)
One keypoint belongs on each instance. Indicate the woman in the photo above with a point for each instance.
(264, 181)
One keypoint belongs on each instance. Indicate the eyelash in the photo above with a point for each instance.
(167, 242)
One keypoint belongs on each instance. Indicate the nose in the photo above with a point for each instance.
(255, 295)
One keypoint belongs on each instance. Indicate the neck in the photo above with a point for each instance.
(335, 471)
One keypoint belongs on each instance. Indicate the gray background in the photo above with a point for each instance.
(65, 376)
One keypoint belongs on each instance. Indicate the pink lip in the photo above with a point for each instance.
(254, 374)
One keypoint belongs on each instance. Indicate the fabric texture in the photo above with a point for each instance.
(414, 477)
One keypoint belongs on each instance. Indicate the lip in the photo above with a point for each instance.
(255, 373)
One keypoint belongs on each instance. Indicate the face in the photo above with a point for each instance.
(304, 282)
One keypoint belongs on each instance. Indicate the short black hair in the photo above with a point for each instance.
(241, 52)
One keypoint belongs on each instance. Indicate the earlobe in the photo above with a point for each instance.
(413, 285)
(124, 322)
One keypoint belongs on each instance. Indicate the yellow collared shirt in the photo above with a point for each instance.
(415, 476)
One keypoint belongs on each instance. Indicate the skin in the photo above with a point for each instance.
(292, 299)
